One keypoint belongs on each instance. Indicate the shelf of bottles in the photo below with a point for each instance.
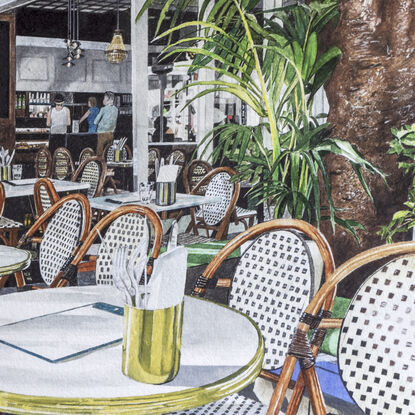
(124, 104)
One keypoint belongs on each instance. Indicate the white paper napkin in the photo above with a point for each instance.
(168, 173)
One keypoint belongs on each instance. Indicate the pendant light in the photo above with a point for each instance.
(116, 52)
(73, 45)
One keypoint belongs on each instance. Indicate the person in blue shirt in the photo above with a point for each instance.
(91, 114)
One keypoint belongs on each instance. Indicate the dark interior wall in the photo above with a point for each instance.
(5, 70)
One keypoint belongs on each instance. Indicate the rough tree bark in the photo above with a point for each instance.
(371, 90)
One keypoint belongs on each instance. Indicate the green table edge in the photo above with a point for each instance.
(161, 403)
(17, 266)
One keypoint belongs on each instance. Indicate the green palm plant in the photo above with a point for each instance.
(276, 69)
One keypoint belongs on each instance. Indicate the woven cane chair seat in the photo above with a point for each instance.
(377, 341)
(220, 185)
(60, 239)
(272, 284)
(233, 404)
(126, 230)
(6, 223)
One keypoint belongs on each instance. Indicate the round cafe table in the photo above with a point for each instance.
(13, 259)
(222, 352)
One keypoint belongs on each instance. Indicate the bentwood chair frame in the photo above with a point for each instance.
(64, 158)
(43, 158)
(153, 155)
(277, 236)
(317, 315)
(193, 173)
(44, 196)
(69, 222)
(85, 154)
(93, 171)
(220, 228)
(121, 218)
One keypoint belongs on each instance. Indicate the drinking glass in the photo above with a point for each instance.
(145, 192)
(17, 171)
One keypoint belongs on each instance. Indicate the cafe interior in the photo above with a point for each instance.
(264, 150)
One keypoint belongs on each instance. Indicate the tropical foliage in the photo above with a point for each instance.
(403, 145)
(272, 62)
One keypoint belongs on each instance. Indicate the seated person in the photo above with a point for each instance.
(167, 132)
(91, 114)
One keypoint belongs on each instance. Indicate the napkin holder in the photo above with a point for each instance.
(165, 193)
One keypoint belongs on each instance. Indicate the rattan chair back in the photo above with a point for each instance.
(43, 163)
(153, 155)
(193, 173)
(93, 171)
(124, 226)
(68, 223)
(44, 195)
(375, 351)
(85, 154)
(109, 155)
(62, 164)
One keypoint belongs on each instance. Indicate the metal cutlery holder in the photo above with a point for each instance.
(165, 193)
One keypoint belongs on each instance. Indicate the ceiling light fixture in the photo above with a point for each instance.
(73, 45)
(116, 52)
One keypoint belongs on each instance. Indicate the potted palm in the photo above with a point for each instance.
(275, 68)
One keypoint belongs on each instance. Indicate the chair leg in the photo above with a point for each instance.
(3, 280)
(20, 282)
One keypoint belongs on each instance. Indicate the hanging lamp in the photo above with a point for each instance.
(116, 52)
(73, 45)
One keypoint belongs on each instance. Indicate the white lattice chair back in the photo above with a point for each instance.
(91, 174)
(44, 198)
(273, 283)
(220, 185)
(86, 155)
(376, 351)
(110, 154)
(126, 230)
(60, 239)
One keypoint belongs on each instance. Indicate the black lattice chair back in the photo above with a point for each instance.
(273, 283)
(85, 154)
(153, 155)
(376, 352)
(193, 173)
(127, 230)
(92, 171)
(63, 166)
(219, 185)
(43, 163)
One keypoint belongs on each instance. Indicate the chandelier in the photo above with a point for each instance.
(116, 52)
(73, 45)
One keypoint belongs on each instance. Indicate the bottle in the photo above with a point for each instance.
(24, 101)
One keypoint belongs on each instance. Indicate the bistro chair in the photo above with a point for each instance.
(215, 216)
(124, 226)
(153, 155)
(85, 154)
(43, 163)
(9, 228)
(68, 223)
(109, 155)
(376, 344)
(44, 196)
(272, 283)
(62, 164)
(193, 173)
(93, 171)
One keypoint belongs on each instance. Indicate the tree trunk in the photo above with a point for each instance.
(371, 90)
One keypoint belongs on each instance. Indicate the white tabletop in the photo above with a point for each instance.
(183, 201)
(221, 353)
(24, 187)
(13, 259)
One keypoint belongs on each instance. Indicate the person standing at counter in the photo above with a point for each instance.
(91, 114)
(106, 120)
(59, 116)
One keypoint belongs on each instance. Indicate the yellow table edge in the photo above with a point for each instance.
(151, 404)
(17, 266)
